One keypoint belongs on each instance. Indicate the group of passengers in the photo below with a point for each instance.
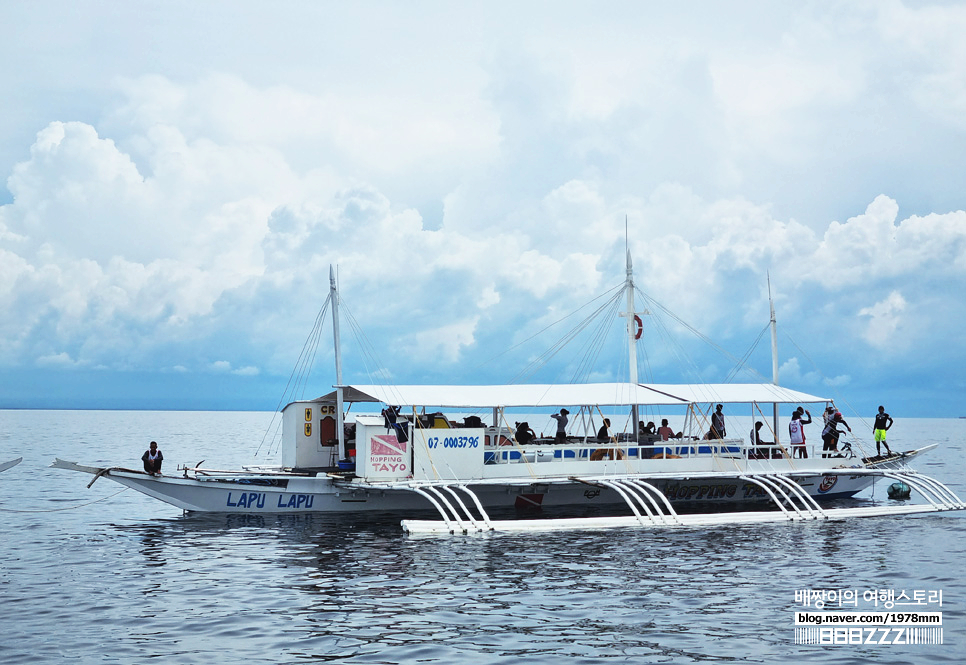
(831, 420)
(648, 433)
(830, 431)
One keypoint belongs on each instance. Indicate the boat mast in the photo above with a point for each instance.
(631, 334)
(774, 356)
(340, 413)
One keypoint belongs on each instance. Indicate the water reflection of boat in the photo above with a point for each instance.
(412, 452)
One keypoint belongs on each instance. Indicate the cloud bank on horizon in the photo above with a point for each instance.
(178, 185)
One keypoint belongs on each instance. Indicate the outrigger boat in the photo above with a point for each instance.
(407, 454)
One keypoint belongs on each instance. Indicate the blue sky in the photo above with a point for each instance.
(179, 176)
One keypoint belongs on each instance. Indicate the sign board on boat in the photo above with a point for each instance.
(448, 454)
(381, 453)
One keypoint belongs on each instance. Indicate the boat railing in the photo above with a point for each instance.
(548, 451)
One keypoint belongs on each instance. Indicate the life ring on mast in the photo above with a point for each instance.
(640, 327)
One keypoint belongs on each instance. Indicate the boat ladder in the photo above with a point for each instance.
(457, 517)
(791, 499)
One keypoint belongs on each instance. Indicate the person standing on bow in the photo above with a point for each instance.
(562, 421)
(883, 421)
(717, 425)
(796, 432)
(152, 459)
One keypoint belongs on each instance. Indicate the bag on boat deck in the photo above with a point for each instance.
(390, 416)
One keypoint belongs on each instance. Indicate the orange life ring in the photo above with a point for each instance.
(640, 327)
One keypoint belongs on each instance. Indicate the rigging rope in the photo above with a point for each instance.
(544, 358)
(606, 294)
(302, 367)
(670, 340)
(741, 361)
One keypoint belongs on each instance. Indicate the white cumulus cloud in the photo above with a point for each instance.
(885, 318)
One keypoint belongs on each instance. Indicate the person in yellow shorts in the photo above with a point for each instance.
(883, 421)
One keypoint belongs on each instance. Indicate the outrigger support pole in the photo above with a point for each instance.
(636, 492)
(945, 498)
(436, 504)
(624, 494)
(810, 503)
(456, 515)
(768, 487)
(652, 492)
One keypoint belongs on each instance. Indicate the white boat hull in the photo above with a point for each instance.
(279, 493)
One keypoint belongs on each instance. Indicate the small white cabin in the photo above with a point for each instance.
(309, 435)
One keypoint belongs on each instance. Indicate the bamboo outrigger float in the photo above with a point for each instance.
(407, 454)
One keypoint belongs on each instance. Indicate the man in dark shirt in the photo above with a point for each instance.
(152, 459)
(883, 421)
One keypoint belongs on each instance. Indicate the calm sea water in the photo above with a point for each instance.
(107, 575)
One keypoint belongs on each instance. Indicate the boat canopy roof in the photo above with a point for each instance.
(581, 394)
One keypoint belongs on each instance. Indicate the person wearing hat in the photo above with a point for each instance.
(796, 432)
(827, 415)
(562, 421)
(831, 434)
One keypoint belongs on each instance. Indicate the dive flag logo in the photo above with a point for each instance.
(387, 444)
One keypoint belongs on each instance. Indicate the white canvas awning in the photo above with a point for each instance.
(578, 394)
(736, 393)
